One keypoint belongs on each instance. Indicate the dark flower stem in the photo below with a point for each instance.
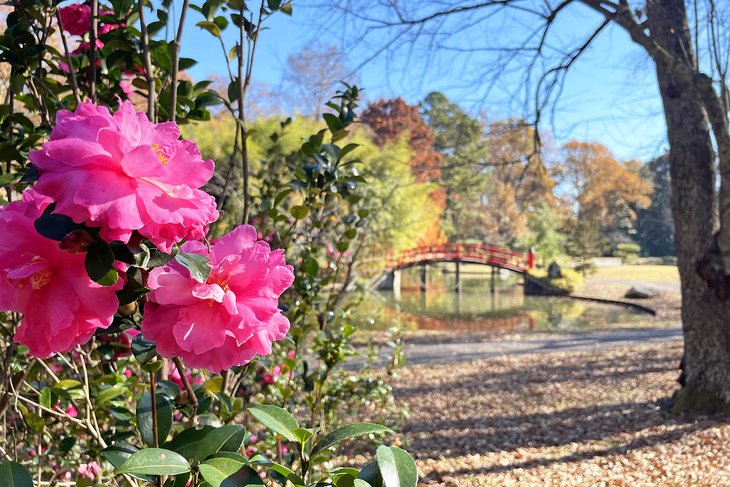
(72, 70)
(172, 112)
(151, 96)
(187, 386)
(93, 33)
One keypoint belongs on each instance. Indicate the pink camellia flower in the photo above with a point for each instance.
(231, 317)
(62, 307)
(85, 46)
(71, 410)
(127, 88)
(124, 174)
(89, 470)
(76, 18)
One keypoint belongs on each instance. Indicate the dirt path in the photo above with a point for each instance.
(455, 352)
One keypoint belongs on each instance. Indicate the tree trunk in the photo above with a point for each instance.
(705, 317)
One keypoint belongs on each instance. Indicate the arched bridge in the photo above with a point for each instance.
(468, 253)
(496, 257)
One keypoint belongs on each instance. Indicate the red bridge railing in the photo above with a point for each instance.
(473, 253)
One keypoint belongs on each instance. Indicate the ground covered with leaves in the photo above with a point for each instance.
(578, 418)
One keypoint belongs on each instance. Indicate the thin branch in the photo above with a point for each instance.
(67, 55)
(93, 34)
(172, 112)
(153, 399)
(242, 87)
(151, 96)
(188, 387)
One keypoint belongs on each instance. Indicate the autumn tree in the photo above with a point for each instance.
(604, 189)
(688, 52)
(464, 177)
(517, 163)
(392, 120)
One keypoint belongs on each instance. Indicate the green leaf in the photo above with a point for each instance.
(396, 466)
(210, 27)
(67, 384)
(45, 399)
(213, 386)
(286, 8)
(276, 419)
(55, 226)
(13, 474)
(342, 245)
(371, 474)
(226, 438)
(299, 212)
(143, 350)
(144, 418)
(347, 149)
(288, 473)
(118, 453)
(345, 433)
(186, 63)
(178, 480)
(303, 434)
(107, 395)
(333, 122)
(227, 472)
(99, 263)
(282, 196)
(7, 178)
(155, 461)
(197, 264)
(188, 442)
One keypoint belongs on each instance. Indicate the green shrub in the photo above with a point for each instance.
(567, 284)
(629, 252)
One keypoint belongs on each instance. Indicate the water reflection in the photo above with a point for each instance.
(475, 308)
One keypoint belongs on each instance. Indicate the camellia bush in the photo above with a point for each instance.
(131, 334)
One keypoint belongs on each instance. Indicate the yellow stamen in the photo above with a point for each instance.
(160, 154)
(40, 279)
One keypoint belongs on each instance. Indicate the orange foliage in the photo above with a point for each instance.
(512, 148)
(603, 185)
(391, 119)
(435, 234)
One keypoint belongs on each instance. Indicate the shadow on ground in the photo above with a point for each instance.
(535, 411)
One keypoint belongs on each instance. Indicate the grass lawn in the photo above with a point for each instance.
(648, 273)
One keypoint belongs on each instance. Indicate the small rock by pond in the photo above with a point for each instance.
(641, 292)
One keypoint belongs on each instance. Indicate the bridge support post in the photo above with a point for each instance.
(424, 278)
(396, 284)
(493, 279)
(458, 276)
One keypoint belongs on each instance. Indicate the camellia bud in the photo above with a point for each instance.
(76, 242)
(128, 309)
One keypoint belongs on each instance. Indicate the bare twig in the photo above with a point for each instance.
(153, 399)
(93, 33)
(151, 95)
(67, 55)
(187, 386)
(175, 62)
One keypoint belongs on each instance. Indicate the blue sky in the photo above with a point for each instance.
(610, 94)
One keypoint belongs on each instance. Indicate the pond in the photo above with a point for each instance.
(475, 308)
